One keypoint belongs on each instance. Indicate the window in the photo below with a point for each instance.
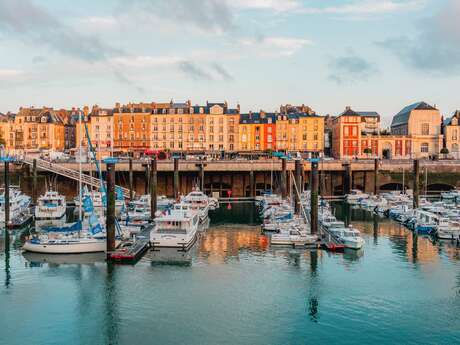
(424, 147)
(454, 134)
(425, 129)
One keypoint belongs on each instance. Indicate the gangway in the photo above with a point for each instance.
(70, 173)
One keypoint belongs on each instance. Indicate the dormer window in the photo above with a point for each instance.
(43, 119)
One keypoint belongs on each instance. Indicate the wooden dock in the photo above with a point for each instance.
(131, 251)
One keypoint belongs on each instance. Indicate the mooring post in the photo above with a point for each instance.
(314, 197)
(252, 188)
(153, 187)
(131, 179)
(376, 176)
(110, 220)
(176, 177)
(202, 177)
(298, 188)
(347, 178)
(7, 205)
(283, 178)
(147, 179)
(34, 181)
(416, 182)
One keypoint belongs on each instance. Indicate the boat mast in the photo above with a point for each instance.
(403, 187)
(79, 168)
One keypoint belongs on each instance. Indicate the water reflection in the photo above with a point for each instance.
(222, 242)
(111, 318)
(313, 302)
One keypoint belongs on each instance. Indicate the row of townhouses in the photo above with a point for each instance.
(418, 130)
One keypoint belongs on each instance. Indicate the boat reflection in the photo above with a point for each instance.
(171, 256)
(63, 259)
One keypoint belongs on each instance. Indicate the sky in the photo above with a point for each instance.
(372, 55)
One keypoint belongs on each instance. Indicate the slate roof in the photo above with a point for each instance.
(402, 117)
(448, 121)
(256, 118)
(350, 112)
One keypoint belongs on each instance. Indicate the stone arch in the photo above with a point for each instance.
(392, 186)
(439, 187)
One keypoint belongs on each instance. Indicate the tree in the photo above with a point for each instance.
(368, 151)
(445, 151)
(2, 142)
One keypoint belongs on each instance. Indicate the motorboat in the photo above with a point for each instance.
(448, 229)
(293, 237)
(349, 237)
(51, 205)
(356, 196)
(99, 199)
(176, 227)
(19, 204)
(199, 202)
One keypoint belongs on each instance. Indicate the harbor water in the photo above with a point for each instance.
(233, 288)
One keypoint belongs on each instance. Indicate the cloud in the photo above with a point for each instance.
(34, 24)
(275, 5)
(207, 15)
(209, 72)
(222, 72)
(8, 74)
(194, 71)
(368, 7)
(276, 45)
(350, 68)
(435, 48)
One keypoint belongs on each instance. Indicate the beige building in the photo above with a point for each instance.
(34, 129)
(452, 135)
(421, 123)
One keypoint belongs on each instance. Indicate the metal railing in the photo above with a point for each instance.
(69, 173)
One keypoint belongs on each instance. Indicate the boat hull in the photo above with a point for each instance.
(71, 248)
(162, 240)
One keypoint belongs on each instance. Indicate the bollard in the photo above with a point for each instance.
(314, 198)
(298, 182)
(176, 178)
(131, 178)
(416, 183)
(153, 188)
(376, 176)
(283, 178)
(110, 220)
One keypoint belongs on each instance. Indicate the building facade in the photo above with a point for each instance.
(420, 123)
(451, 131)
(352, 132)
(34, 129)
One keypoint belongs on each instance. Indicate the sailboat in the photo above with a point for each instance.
(87, 235)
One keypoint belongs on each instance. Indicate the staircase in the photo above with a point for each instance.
(69, 173)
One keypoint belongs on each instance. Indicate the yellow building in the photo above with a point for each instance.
(300, 132)
(452, 135)
(7, 131)
(38, 129)
(131, 124)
